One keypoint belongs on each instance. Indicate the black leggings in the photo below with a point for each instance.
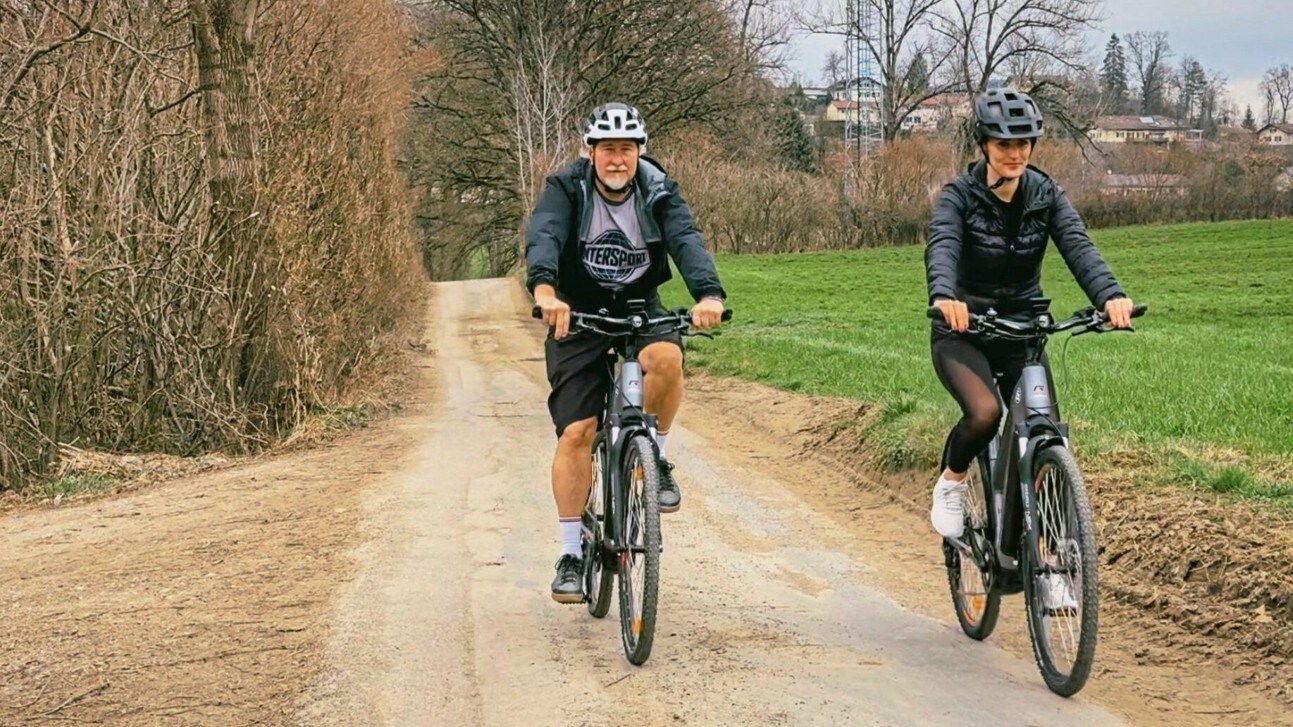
(965, 365)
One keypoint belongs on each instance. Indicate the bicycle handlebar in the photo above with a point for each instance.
(679, 319)
(1039, 325)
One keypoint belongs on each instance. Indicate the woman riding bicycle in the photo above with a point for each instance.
(986, 242)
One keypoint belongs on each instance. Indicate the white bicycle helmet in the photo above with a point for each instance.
(614, 121)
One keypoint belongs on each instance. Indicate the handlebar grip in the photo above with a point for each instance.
(1139, 310)
(934, 312)
(537, 313)
(727, 314)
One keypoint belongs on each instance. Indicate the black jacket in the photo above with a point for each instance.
(558, 231)
(971, 257)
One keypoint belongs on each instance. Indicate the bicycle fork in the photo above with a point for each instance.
(628, 420)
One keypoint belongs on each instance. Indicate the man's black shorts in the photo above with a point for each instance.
(580, 372)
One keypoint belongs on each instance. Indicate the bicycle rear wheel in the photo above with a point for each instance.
(1060, 590)
(597, 577)
(639, 566)
(976, 601)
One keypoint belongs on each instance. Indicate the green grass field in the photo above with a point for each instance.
(1210, 366)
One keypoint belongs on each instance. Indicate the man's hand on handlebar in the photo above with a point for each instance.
(556, 313)
(707, 314)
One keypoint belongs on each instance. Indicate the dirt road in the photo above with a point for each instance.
(399, 576)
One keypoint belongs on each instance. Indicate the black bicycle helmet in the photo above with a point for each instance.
(1006, 113)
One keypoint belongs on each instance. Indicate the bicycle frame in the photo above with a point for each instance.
(624, 419)
(1031, 423)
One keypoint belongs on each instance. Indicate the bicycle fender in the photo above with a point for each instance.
(1036, 442)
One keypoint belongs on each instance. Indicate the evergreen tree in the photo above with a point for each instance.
(1194, 88)
(1113, 75)
(792, 140)
(918, 76)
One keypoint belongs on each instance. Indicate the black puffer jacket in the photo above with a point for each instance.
(559, 229)
(971, 257)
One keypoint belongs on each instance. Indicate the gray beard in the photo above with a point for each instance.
(615, 188)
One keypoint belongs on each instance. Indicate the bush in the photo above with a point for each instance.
(124, 325)
(749, 205)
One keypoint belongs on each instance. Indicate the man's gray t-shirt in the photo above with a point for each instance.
(615, 254)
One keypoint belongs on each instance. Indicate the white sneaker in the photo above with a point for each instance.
(948, 512)
(1059, 598)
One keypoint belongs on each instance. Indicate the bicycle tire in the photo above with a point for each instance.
(977, 611)
(641, 480)
(598, 579)
(1055, 475)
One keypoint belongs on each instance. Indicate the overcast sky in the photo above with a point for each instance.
(1239, 38)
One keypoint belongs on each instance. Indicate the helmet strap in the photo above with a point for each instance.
(983, 148)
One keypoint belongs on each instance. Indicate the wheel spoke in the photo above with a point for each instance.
(1063, 630)
(974, 604)
(634, 556)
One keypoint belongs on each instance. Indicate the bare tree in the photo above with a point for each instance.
(1277, 87)
(986, 36)
(505, 106)
(909, 67)
(763, 32)
(834, 69)
(1150, 54)
(1037, 43)
(224, 35)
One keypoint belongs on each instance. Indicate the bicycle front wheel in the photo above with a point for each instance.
(597, 577)
(1060, 588)
(639, 566)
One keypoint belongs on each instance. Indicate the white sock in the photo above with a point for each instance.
(660, 439)
(571, 536)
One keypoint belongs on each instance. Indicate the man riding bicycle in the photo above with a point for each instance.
(986, 242)
(598, 239)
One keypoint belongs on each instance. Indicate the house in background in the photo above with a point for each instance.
(938, 113)
(1147, 185)
(852, 112)
(1276, 134)
(1141, 130)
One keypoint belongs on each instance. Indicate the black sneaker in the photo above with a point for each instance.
(670, 497)
(568, 586)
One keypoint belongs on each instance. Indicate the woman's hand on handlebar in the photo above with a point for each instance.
(956, 314)
(556, 313)
(1119, 312)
